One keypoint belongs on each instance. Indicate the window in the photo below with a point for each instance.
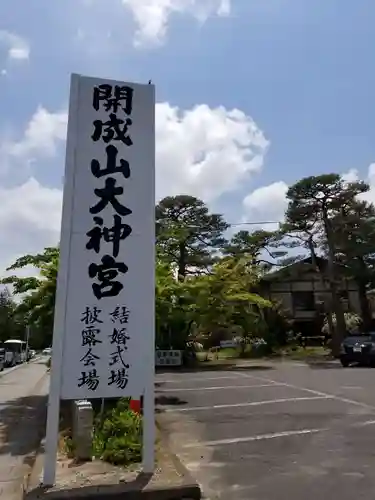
(303, 301)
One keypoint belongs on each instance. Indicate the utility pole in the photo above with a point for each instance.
(27, 337)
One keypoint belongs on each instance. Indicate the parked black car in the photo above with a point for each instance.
(2, 358)
(358, 348)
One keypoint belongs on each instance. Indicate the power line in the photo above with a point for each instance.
(254, 223)
(230, 224)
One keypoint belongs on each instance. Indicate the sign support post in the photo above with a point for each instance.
(53, 414)
(148, 450)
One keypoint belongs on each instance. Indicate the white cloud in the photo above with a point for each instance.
(41, 137)
(266, 204)
(369, 195)
(202, 151)
(351, 175)
(16, 46)
(152, 16)
(37, 201)
(29, 220)
(205, 152)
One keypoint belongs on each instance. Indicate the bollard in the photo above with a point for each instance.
(83, 421)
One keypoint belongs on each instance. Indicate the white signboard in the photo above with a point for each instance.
(109, 204)
(103, 339)
(168, 358)
(228, 343)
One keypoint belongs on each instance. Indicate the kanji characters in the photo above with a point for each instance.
(107, 272)
(119, 231)
(113, 98)
(89, 379)
(119, 377)
(111, 167)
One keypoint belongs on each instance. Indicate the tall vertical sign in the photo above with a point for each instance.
(103, 342)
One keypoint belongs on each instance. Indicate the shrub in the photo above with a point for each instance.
(278, 323)
(260, 348)
(353, 323)
(118, 437)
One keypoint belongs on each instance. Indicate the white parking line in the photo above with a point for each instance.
(194, 379)
(311, 391)
(216, 388)
(364, 424)
(271, 435)
(248, 439)
(240, 405)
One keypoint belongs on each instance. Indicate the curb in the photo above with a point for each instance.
(192, 487)
(189, 490)
(30, 459)
(180, 467)
(117, 492)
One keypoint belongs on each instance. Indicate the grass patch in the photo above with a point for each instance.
(232, 353)
(221, 353)
(228, 354)
(66, 445)
(118, 435)
(307, 353)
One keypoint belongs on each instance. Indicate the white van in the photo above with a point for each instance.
(8, 355)
(18, 348)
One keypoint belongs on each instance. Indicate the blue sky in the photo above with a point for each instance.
(301, 73)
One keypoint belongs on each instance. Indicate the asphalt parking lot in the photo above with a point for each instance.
(274, 432)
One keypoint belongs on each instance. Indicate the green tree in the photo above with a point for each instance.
(38, 292)
(318, 199)
(164, 300)
(172, 321)
(354, 238)
(278, 323)
(11, 324)
(255, 246)
(187, 235)
(224, 299)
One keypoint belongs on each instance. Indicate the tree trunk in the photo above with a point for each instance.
(328, 307)
(339, 330)
(365, 307)
(182, 262)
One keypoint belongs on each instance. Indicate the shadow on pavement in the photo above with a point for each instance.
(329, 365)
(325, 365)
(251, 368)
(21, 424)
(161, 401)
(169, 401)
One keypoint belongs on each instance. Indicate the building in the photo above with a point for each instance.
(303, 292)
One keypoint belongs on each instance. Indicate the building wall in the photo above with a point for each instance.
(282, 291)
